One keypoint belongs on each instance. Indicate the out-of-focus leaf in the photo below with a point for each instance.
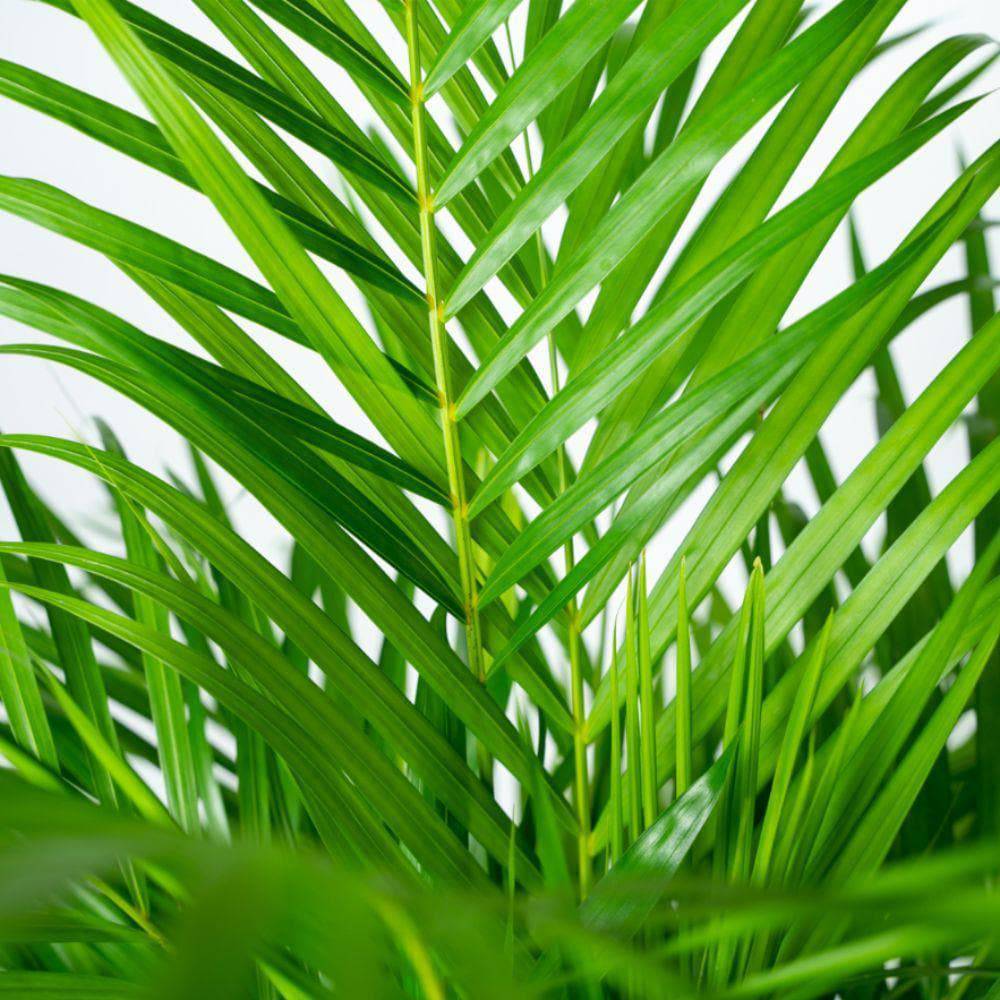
(620, 898)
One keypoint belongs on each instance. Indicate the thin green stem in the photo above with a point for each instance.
(132, 912)
(650, 786)
(439, 346)
(682, 698)
(682, 711)
(616, 756)
(581, 786)
(633, 753)
(581, 780)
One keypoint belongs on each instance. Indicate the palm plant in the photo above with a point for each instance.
(563, 771)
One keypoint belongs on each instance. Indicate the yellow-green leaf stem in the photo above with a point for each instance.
(647, 720)
(615, 793)
(682, 698)
(439, 346)
(632, 737)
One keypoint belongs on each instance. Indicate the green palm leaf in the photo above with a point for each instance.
(350, 700)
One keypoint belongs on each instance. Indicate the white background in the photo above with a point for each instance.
(35, 397)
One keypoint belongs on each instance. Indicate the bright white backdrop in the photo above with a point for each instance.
(38, 398)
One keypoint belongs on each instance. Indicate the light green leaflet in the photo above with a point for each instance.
(556, 60)
(298, 618)
(308, 22)
(863, 618)
(143, 141)
(478, 20)
(644, 76)
(629, 355)
(602, 485)
(274, 675)
(19, 688)
(430, 668)
(663, 184)
(312, 302)
(745, 203)
(299, 120)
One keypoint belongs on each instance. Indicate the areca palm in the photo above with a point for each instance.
(565, 769)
